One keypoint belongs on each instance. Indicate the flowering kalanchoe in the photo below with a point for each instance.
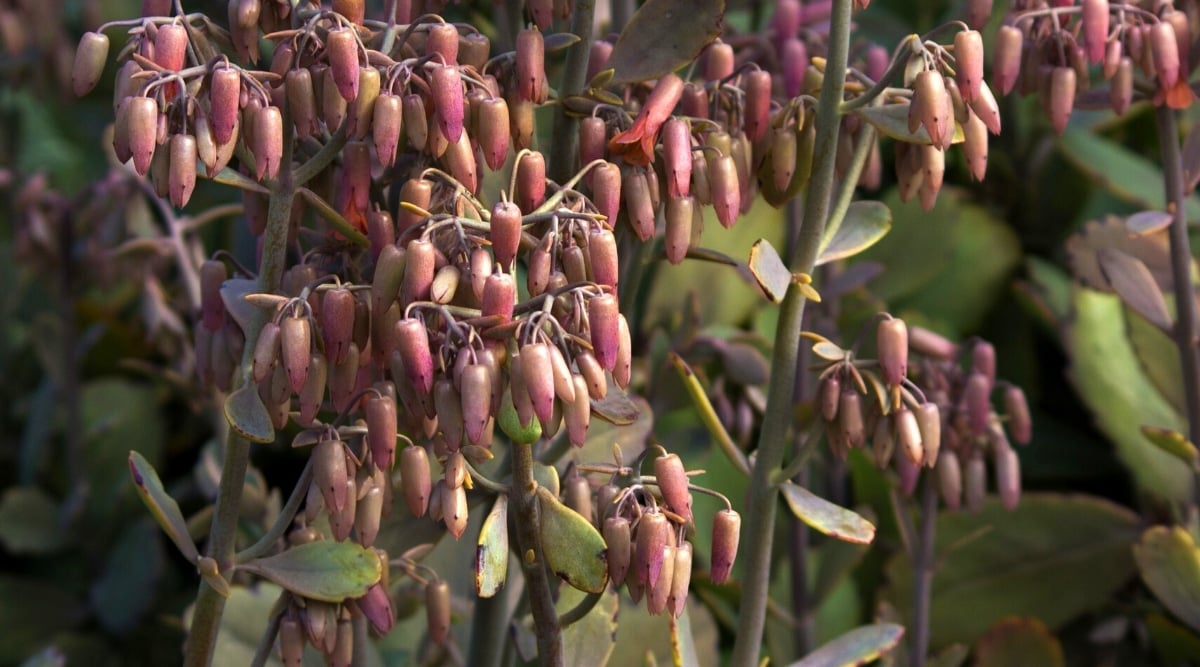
(636, 145)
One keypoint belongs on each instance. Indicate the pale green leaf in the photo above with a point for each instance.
(571, 545)
(826, 517)
(326, 570)
(662, 36)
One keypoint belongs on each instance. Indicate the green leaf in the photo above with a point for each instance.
(642, 637)
(118, 413)
(769, 270)
(326, 571)
(1170, 565)
(997, 563)
(233, 177)
(128, 585)
(664, 35)
(31, 612)
(161, 505)
(864, 224)
(246, 414)
(491, 556)
(546, 477)
(1109, 379)
(1171, 442)
(1016, 642)
(1122, 172)
(571, 545)
(857, 647)
(29, 522)
(826, 517)
(1158, 357)
(591, 639)
(1175, 644)
(892, 121)
(243, 623)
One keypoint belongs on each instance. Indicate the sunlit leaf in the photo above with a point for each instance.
(857, 647)
(769, 270)
(571, 545)
(1172, 442)
(327, 571)
(865, 223)
(826, 517)
(161, 505)
(1018, 641)
(246, 414)
(1170, 565)
(491, 555)
(662, 36)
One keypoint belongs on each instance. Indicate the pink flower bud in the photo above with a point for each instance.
(929, 421)
(891, 337)
(977, 400)
(717, 61)
(537, 268)
(828, 397)
(638, 204)
(419, 267)
(419, 192)
(726, 191)
(1121, 86)
(530, 66)
(1165, 51)
(678, 238)
(983, 360)
(1095, 28)
(757, 115)
(537, 371)
(681, 579)
(975, 483)
(795, 62)
(598, 57)
(1008, 477)
(531, 181)
(341, 47)
(455, 511)
(443, 40)
(652, 537)
(659, 589)
(1006, 60)
(447, 87)
(677, 157)
(1017, 411)
(267, 142)
(593, 374)
(182, 174)
(505, 232)
(593, 137)
(381, 232)
(381, 430)
(449, 405)
(975, 146)
(606, 191)
(694, 102)
(908, 434)
(337, 322)
(850, 418)
(928, 108)
(90, 58)
(476, 400)
(266, 351)
(498, 294)
(412, 342)
(415, 478)
(437, 610)
(949, 480)
(313, 391)
(212, 275)
(141, 114)
(602, 321)
(968, 54)
(1062, 96)
(673, 483)
(636, 145)
(459, 159)
(330, 473)
(623, 370)
(578, 414)
(493, 131)
(296, 343)
(602, 258)
(362, 109)
(617, 536)
(726, 533)
(414, 121)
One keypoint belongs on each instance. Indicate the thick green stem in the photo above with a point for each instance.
(564, 149)
(923, 559)
(773, 438)
(541, 599)
(1181, 276)
(206, 618)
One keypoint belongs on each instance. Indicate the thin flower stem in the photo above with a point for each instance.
(541, 600)
(1181, 262)
(206, 619)
(268, 540)
(777, 422)
(565, 147)
(923, 562)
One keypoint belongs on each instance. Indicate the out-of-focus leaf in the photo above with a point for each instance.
(683, 646)
(50, 657)
(744, 364)
(892, 121)
(826, 517)
(1147, 222)
(1170, 565)
(571, 545)
(243, 623)
(1158, 357)
(233, 295)
(491, 559)
(664, 35)
(117, 414)
(327, 571)
(128, 586)
(949, 264)
(161, 505)
(1135, 284)
(1152, 249)
(857, 647)
(29, 521)
(640, 635)
(953, 655)
(246, 414)
(546, 477)
(31, 612)
(837, 561)
(1017, 642)
(591, 639)
(1175, 644)
(559, 41)
(1111, 383)
(1079, 543)
(769, 270)
(865, 223)
(616, 407)
(1172, 442)
(1119, 170)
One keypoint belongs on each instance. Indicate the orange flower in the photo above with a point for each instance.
(636, 144)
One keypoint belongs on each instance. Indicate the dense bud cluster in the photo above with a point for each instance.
(935, 413)
(1051, 51)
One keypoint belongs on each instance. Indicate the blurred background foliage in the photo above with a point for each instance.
(84, 570)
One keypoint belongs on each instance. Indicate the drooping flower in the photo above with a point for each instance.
(636, 144)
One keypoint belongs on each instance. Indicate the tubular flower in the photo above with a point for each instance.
(636, 144)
